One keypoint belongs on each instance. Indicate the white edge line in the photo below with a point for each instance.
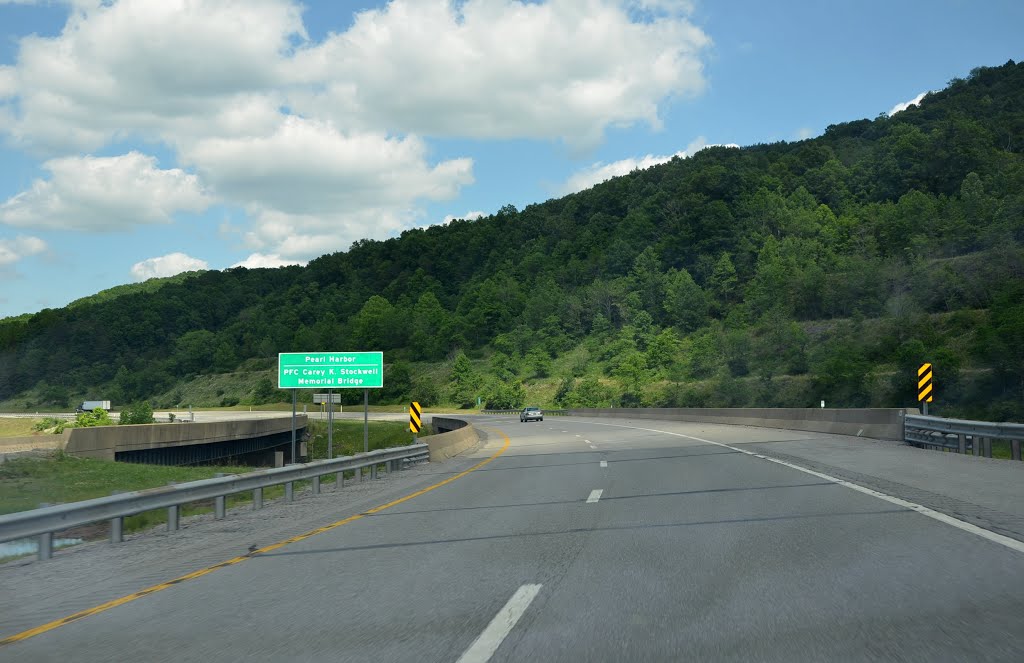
(1006, 541)
(595, 495)
(491, 638)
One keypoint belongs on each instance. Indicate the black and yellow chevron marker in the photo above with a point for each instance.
(924, 383)
(415, 417)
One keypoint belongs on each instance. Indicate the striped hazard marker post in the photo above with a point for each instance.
(415, 418)
(924, 386)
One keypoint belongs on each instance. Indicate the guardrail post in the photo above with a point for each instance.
(373, 472)
(45, 546)
(316, 485)
(219, 507)
(359, 474)
(961, 440)
(257, 499)
(289, 492)
(117, 530)
(1015, 449)
(172, 518)
(987, 441)
(339, 480)
(975, 445)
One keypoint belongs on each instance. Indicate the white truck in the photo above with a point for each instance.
(89, 406)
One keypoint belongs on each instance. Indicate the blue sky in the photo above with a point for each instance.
(141, 138)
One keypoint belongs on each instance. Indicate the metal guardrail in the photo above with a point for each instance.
(961, 434)
(557, 413)
(45, 521)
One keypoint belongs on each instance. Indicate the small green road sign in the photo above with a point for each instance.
(330, 370)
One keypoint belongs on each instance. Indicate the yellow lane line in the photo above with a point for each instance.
(25, 635)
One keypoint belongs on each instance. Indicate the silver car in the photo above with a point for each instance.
(531, 414)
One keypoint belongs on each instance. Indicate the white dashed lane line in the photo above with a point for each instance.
(488, 642)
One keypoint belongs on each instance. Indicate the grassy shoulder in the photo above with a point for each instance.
(348, 437)
(18, 427)
(26, 483)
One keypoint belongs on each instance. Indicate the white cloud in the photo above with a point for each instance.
(907, 104)
(468, 216)
(258, 260)
(311, 189)
(321, 143)
(803, 133)
(168, 69)
(168, 265)
(22, 246)
(8, 82)
(309, 167)
(104, 193)
(563, 69)
(599, 172)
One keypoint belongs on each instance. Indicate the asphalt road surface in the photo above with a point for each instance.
(579, 540)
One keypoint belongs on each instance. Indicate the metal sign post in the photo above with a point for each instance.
(332, 370)
(330, 425)
(294, 395)
(924, 386)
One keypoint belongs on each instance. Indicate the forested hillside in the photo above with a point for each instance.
(773, 275)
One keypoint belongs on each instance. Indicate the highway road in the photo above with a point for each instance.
(563, 540)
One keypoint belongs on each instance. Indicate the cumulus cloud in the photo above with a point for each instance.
(322, 142)
(103, 194)
(310, 188)
(898, 108)
(164, 69)
(22, 246)
(259, 260)
(599, 172)
(168, 265)
(308, 167)
(468, 216)
(565, 69)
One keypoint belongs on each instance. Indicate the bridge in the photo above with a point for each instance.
(624, 536)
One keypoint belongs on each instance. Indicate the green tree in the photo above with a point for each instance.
(140, 412)
(98, 417)
(504, 395)
(397, 382)
(502, 366)
(372, 328)
(686, 303)
(265, 392)
(464, 382)
(723, 280)
(194, 350)
(589, 393)
(633, 373)
(430, 328)
(539, 362)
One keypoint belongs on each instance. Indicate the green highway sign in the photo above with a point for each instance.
(330, 370)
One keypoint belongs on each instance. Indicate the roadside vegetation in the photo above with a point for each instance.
(30, 482)
(18, 427)
(773, 275)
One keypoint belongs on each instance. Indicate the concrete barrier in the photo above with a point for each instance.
(456, 436)
(32, 442)
(877, 423)
(105, 441)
